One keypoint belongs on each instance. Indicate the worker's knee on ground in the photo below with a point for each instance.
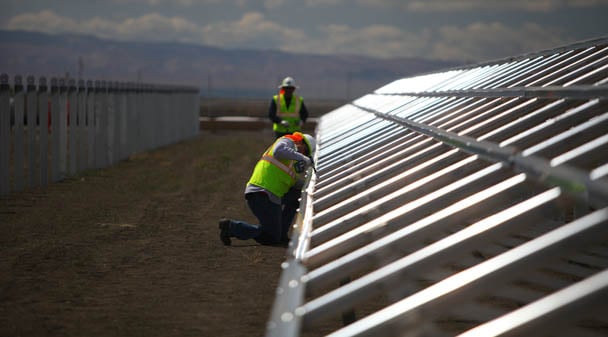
(267, 238)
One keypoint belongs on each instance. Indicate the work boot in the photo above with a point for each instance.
(224, 226)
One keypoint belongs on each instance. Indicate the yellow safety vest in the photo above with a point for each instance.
(289, 113)
(272, 174)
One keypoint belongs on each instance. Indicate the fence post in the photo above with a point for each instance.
(127, 125)
(157, 108)
(32, 149)
(5, 134)
(55, 145)
(72, 120)
(196, 102)
(118, 115)
(151, 116)
(90, 125)
(114, 115)
(170, 115)
(164, 126)
(108, 123)
(63, 128)
(81, 140)
(101, 138)
(43, 115)
(136, 119)
(178, 100)
(131, 135)
(18, 130)
(146, 116)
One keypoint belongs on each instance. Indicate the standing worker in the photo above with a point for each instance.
(272, 192)
(287, 111)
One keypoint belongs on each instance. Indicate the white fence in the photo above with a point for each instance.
(50, 131)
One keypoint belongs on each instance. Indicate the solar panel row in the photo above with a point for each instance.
(466, 202)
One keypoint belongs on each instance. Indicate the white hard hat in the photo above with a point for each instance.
(311, 143)
(288, 82)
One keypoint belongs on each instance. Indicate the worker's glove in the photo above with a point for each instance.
(284, 123)
(301, 165)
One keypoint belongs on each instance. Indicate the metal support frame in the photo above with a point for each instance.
(472, 187)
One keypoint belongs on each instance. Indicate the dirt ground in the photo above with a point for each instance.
(133, 250)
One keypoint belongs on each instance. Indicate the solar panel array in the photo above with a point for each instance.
(468, 202)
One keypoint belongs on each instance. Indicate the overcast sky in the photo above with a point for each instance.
(471, 30)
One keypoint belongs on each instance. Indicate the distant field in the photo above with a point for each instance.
(217, 107)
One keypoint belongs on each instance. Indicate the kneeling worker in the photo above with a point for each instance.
(272, 192)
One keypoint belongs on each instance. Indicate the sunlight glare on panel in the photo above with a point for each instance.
(363, 100)
(585, 62)
(387, 161)
(466, 78)
(521, 67)
(542, 307)
(393, 103)
(422, 223)
(399, 266)
(473, 109)
(523, 119)
(412, 111)
(579, 151)
(448, 103)
(565, 135)
(390, 181)
(498, 116)
(599, 172)
(563, 63)
(588, 224)
(384, 219)
(489, 76)
(345, 144)
(599, 70)
(417, 83)
(413, 185)
(547, 123)
(542, 62)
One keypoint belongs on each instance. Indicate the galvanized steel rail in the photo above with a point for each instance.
(471, 202)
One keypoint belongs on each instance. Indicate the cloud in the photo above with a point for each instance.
(381, 41)
(42, 21)
(271, 4)
(488, 5)
(183, 3)
(493, 40)
(253, 26)
(477, 41)
(324, 3)
(152, 27)
(155, 25)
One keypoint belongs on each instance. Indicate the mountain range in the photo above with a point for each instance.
(218, 72)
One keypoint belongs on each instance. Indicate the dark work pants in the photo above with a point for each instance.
(274, 219)
(290, 208)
